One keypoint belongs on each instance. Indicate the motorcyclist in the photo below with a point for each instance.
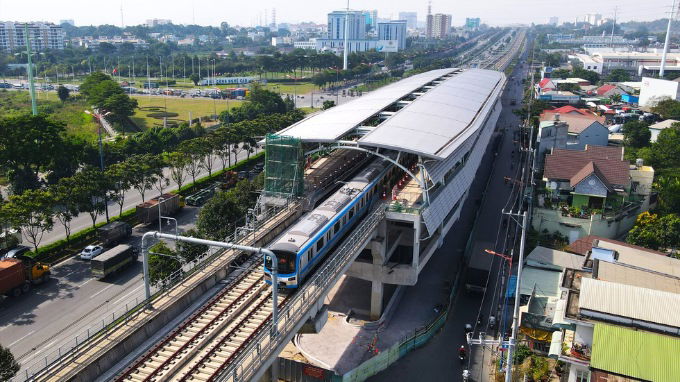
(462, 353)
(466, 374)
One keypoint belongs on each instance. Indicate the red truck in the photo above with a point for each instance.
(16, 276)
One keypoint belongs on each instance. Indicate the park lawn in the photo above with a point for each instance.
(299, 88)
(199, 107)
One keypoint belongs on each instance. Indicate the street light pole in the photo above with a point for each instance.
(515, 316)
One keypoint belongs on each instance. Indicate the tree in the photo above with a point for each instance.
(193, 152)
(65, 203)
(207, 150)
(91, 186)
(667, 108)
(9, 367)
(189, 251)
(120, 176)
(669, 194)
(121, 106)
(327, 104)
(162, 262)
(63, 93)
(636, 134)
(194, 78)
(144, 171)
(177, 162)
(655, 232)
(616, 97)
(569, 87)
(219, 215)
(618, 75)
(665, 152)
(32, 212)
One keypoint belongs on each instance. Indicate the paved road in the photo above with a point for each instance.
(437, 361)
(132, 198)
(51, 315)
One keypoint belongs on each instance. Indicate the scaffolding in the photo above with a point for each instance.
(283, 166)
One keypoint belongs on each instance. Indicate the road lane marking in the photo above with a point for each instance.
(81, 285)
(95, 295)
(28, 334)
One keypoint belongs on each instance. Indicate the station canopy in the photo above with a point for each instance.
(449, 107)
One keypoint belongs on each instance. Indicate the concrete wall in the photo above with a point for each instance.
(653, 89)
(575, 228)
(596, 134)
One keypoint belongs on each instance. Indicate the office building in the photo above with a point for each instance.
(411, 19)
(438, 25)
(472, 22)
(336, 25)
(393, 30)
(594, 19)
(43, 36)
(156, 22)
(554, 21)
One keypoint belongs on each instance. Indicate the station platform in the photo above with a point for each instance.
(341, 346)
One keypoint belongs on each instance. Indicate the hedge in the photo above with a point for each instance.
(60, 250)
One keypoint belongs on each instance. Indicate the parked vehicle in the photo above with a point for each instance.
(16, 252)
(113, 260)
(147, 212)
(113, 233)
(18, 274)
(9, 239)
(91, 251)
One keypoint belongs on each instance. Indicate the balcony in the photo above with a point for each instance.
(575, 351)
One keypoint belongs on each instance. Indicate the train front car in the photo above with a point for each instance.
(303, 246)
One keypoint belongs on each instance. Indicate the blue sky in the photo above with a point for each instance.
(246, 13)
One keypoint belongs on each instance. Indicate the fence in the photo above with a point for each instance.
(96, 328)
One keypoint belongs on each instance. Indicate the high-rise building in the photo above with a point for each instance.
(336, 25)
(438, 25)
(155, 22)
(393, 30)
(43, 36)
(554, 21)
(411, 19)
(472, 22)
(594, 19)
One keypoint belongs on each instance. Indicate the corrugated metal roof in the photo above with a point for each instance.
(633, 353)
(629, 301)
(547, 283)
(443, 118)
(622, 274)
(339, 120)
(551, 256)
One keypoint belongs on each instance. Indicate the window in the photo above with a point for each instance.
(319, 245)
(336, 228)
(351, 213)
(582, 375)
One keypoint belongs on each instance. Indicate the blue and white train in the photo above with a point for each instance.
(304, 245)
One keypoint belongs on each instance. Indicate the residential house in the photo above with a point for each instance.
(545, 85)
(559, 97)
(573, 130)
(608, 90)
(592, 191)
(656, 128)
(615, 317)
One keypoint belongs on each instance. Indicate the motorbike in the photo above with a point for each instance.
(466, 375)
(492, 322)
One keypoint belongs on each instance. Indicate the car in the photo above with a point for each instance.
(91, 251)
(16, 252)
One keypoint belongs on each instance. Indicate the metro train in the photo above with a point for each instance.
(304, 245)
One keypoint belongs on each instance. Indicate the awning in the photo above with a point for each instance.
(555, 345)
(536, 334)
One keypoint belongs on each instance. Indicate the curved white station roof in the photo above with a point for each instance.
(433, 125)
(441, 119)
(337, 121)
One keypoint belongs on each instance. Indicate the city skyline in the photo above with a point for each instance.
(213, 12)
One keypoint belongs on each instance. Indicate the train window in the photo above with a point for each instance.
(336, 228)
(351, 213)
(319, 245)
(309, 256)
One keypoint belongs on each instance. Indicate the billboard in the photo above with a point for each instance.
(387, 46)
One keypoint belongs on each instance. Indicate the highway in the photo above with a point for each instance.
(51, 315)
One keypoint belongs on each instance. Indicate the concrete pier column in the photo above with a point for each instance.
(377, 289)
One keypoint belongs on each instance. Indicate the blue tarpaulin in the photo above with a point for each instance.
(512, 286)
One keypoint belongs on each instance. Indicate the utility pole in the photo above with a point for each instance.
(662, 69)
(345, 49)
(614, 26)
(515, 316)
(31, 83)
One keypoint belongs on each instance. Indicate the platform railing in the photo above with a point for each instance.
(262, 346)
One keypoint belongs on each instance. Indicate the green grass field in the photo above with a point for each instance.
(299, 88)
(199, 107)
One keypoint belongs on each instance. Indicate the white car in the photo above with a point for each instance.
(91, 251)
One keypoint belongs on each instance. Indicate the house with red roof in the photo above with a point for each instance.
(608, 90)
(592, 191)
